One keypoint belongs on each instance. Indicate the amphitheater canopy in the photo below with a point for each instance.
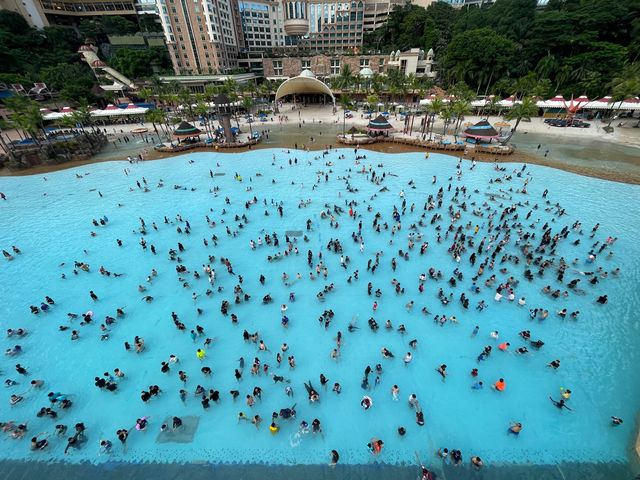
(303, 84)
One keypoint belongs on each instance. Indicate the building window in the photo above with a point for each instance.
(364, 62)
(335, 66)
(277, 67)
(306, 64)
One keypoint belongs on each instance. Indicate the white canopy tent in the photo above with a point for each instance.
(304, 83)
(113, 111)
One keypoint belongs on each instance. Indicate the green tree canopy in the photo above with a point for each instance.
(72, 82)
(140, 63)
(476, 51)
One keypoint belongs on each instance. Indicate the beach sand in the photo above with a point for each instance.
(323, 116)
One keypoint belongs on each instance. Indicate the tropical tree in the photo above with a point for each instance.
(345, 79)
(372, 101)
(247, 104)
(171, 100)
(82, 115)
(459, 109)
(230, 87)
(377, 83)
(346, 103)
(446, 114)
(185, 97)
(154, 116)
(520, 112)
(625, 85)
(210, 91)
(146, 94)
(434, 108)
(490, 106)
(26, 116)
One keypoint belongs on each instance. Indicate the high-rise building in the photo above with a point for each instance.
(262, 24)
(40, 13)
(376, 12)
(320, 25)
(69, 12)
(203, 36)
(31, 11)
(336, 25)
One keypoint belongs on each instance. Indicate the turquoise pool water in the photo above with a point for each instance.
(51, 222)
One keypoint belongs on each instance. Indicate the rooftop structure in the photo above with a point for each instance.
(414, 61)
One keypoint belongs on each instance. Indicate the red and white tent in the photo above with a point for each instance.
(507, 102)
(632, 103)
(556, 102)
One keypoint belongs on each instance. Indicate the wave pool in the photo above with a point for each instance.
(50, 219)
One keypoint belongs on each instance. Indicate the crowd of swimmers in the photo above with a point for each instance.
(502, 222)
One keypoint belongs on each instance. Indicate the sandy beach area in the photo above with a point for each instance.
(322, 117)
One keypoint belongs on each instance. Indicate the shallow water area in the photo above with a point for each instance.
(51, 220)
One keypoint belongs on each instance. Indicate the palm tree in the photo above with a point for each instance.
(146, 94)
(346, 103)
(625, 85)
(521, 111)
(446, 115)
(435, 107)
(25, 116)
(155, 116)
(547, 66)
(210, 92)
(377, 83)
(171, 100)
(185, 98)
(372, 101)
(247, 104)
(460, 108)
(230, 87)
(563, 75)
(202, 110)
(345, 79)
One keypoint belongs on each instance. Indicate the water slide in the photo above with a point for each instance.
(89, 55)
